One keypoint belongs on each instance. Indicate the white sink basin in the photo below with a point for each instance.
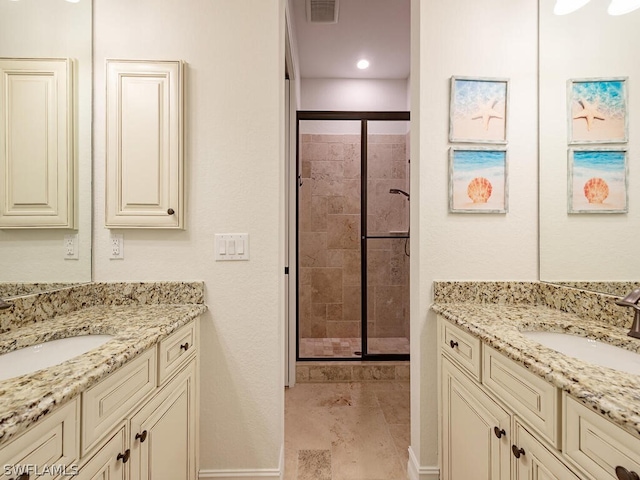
(48, 354)
(588, 350)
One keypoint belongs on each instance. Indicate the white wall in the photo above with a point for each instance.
(45, 29)
(584, 247)
(353, 94)
(487, 38)
(234, 51)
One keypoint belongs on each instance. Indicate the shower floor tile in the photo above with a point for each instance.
(347, 347)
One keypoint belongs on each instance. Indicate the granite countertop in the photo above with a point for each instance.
(614, 394)
(27, 398)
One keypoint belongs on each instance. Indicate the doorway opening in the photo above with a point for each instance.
(353, 200)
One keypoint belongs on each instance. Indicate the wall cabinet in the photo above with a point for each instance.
(145, 164)
(134, 425)
(501, 421)
(37, 149)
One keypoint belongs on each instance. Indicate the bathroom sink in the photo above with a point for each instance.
(589, 350)
(48, 354)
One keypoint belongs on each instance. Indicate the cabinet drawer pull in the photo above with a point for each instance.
(141, 436)
(184, 346)
(171, 211)
(624, 474)
(499, 432)
(517, 451)
(453, 344)
(124, 456)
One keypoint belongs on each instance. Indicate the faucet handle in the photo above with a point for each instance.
(631, 300)
(4, 305)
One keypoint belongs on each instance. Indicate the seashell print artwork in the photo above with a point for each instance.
(598, 180)
(596, 190)
(479, 190)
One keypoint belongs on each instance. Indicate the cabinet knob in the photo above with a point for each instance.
(453, 344)
(171, 211)
(499, 432)
(517, 451)
(624, 474)
(184, 346)
(124, 456)
(141, 436)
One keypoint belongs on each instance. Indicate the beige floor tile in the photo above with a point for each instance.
(395, 406)
(352, 422)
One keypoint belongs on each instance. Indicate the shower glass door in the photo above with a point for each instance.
(386, 243)
(329, 294)
(352, 229)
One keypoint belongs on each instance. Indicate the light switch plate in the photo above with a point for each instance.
(231, 246)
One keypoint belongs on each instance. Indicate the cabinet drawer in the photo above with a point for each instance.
(596, 444)
(174, 350)
(460, 346)
(50, 446)
(106, 403)
(533, 398)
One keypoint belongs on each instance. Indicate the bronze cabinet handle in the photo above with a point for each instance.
(517, 451)
(499, 432)
(184, 346)
(171, 211)
(141, 436)
(624, 474)
(124, 456)
(453, 344)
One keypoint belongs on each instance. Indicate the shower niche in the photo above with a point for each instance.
(353, 235)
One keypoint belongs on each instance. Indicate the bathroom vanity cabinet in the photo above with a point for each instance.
(137, 423)
(501, 421)
(145, 158)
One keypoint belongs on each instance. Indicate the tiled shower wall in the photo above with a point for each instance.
(329, 225)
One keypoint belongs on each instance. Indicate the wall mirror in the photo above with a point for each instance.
(593, 248)
(52, 29)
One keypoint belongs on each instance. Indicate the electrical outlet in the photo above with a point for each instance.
(117, 246)
(71, 247)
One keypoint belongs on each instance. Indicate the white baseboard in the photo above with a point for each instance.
(416, 472)
(246, 474)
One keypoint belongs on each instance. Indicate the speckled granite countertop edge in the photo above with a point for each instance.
(614, 394)
(27, 398)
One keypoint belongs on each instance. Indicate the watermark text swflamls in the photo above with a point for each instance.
(40, 470)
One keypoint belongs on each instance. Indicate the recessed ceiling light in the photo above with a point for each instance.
(620, 7)
(562, 7)
(362, 64)
(73, 1)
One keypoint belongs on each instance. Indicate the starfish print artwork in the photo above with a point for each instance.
(589, 113)
(486, 112)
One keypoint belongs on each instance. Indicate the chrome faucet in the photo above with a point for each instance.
(631, 300)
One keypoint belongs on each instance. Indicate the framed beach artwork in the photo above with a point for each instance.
(478, 110)
(598, 180)
(597, 110)
(478, 180)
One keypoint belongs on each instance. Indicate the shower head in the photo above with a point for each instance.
(400, 192)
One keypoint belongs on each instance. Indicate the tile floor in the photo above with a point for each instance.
(346, 347)
(347, 431)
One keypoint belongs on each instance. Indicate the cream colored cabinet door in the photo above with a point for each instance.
(145, 172)
(475, 430)
(110, 462)
(532, 460)
(163, 433)
(37, 153)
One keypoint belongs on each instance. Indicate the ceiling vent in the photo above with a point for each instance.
(322, 11)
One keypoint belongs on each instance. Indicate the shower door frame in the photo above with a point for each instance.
(363, 117)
